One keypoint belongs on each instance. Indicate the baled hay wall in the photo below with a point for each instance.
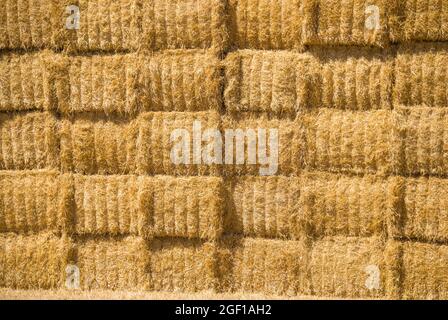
(341, 267)
(112, 205)
(262, 206)
(189, 207)
(28, 141)
(420, 20)
(425, 209)
(355, 79)
(265, 266)
(155, 145)
(21, 82)
(182, 265)
(35, 201)
(355, 142)
(421, 75)
(182, 80)
(337, 205)
(112, 25)
(33, 262)
(250, 123)
(343, 22)
(114, 264)
(425, 144)
(98, 146)
(269, 81)
(425, 271)
(266, 24)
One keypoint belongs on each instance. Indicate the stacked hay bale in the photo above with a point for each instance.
(345, 198)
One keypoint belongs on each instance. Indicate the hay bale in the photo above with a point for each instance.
(28, 141)
(262, 206)
(424, 210)
(425, 144)
(348, 22)
(266, 24)
(98, 83)
(352, 142)
(270, 81)
(35, 201)
(264, 266)
(350, 267)
(424, 270)
(283, 137)
(189, 24)
(353, 78)
(33, 262)
(338, 205)
(110, 205)
(98, 145)
(421, 74)
(113, 264)
(181, 80)
(156, 143)
(420, 20)
(190, 207)
(21, 82)
(182, 265)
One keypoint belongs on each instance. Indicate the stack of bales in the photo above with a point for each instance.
(354, 209)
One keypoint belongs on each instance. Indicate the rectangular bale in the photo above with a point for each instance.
(181, 80)
(270, 81)
(276, 267)
(182, 265)
(22, 78)
(179, 143)
(35, 201)
(348, 22)
(187, 207)
(347, 267)
(111, 205)
(262, 206)
(258, 144)
(33, 262)
(266, 24)
(425, 145)
(421, 75)
(354, 78)
(113, 264)
(338, 205)
(350, 141)
(93, 145)
(28, 141)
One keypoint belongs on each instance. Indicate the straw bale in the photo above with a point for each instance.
(355, 142)
(343, 22)
(190, 207)
(266, 24)
(181, 80)
(425, 143)
(33, 262)
(98, 146)
(350, 267)
(250, 124)
(264, 266)
(21, 82)
(262, 206)
(28, 141)
(155, 145)
(182, 265)
(421, 75)
(270, 81)
(35, 201)
(114, 264)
